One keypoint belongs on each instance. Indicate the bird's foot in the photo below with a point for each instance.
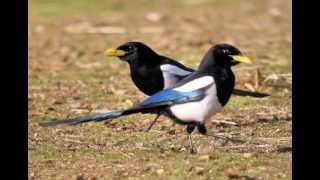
(191, 148)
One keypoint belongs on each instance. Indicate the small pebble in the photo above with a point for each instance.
(247, 155)
(204, 158)
(160, 171)
(199, 170)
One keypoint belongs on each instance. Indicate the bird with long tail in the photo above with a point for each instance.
(190, 102)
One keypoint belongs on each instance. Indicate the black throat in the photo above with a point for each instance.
(222, 74)
(221, 71)
(225, 82)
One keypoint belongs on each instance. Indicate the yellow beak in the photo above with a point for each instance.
(115, 52)
(243, 59)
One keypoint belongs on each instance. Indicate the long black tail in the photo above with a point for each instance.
(240, 92)
(95, 117)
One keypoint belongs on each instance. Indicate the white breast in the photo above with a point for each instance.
(170, 74)
(199, 111)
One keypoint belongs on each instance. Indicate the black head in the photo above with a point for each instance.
(224, 55)
(132, 52)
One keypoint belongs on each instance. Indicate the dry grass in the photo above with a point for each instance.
(69, 76)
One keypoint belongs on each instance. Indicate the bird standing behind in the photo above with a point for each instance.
(193, 100)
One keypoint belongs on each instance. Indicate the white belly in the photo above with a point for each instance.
(198, 111)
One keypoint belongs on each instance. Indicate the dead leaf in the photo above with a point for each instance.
(153, 16)
(250, 87)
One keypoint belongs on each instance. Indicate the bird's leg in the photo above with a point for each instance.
(203, 130)
(190, 129)
(192, 151)
(153, 122)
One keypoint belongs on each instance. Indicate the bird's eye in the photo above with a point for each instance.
(225, 51)
(130, 48)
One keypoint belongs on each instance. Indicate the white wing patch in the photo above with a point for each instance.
(196, 84)
(172, 69)
(170, 73)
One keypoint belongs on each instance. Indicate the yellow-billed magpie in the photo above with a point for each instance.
(193, 100)
(152, 72)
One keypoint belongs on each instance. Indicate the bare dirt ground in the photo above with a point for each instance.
(69, 76)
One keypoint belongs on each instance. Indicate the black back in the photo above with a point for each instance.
(145, 67)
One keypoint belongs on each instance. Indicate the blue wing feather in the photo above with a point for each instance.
(170, 96)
